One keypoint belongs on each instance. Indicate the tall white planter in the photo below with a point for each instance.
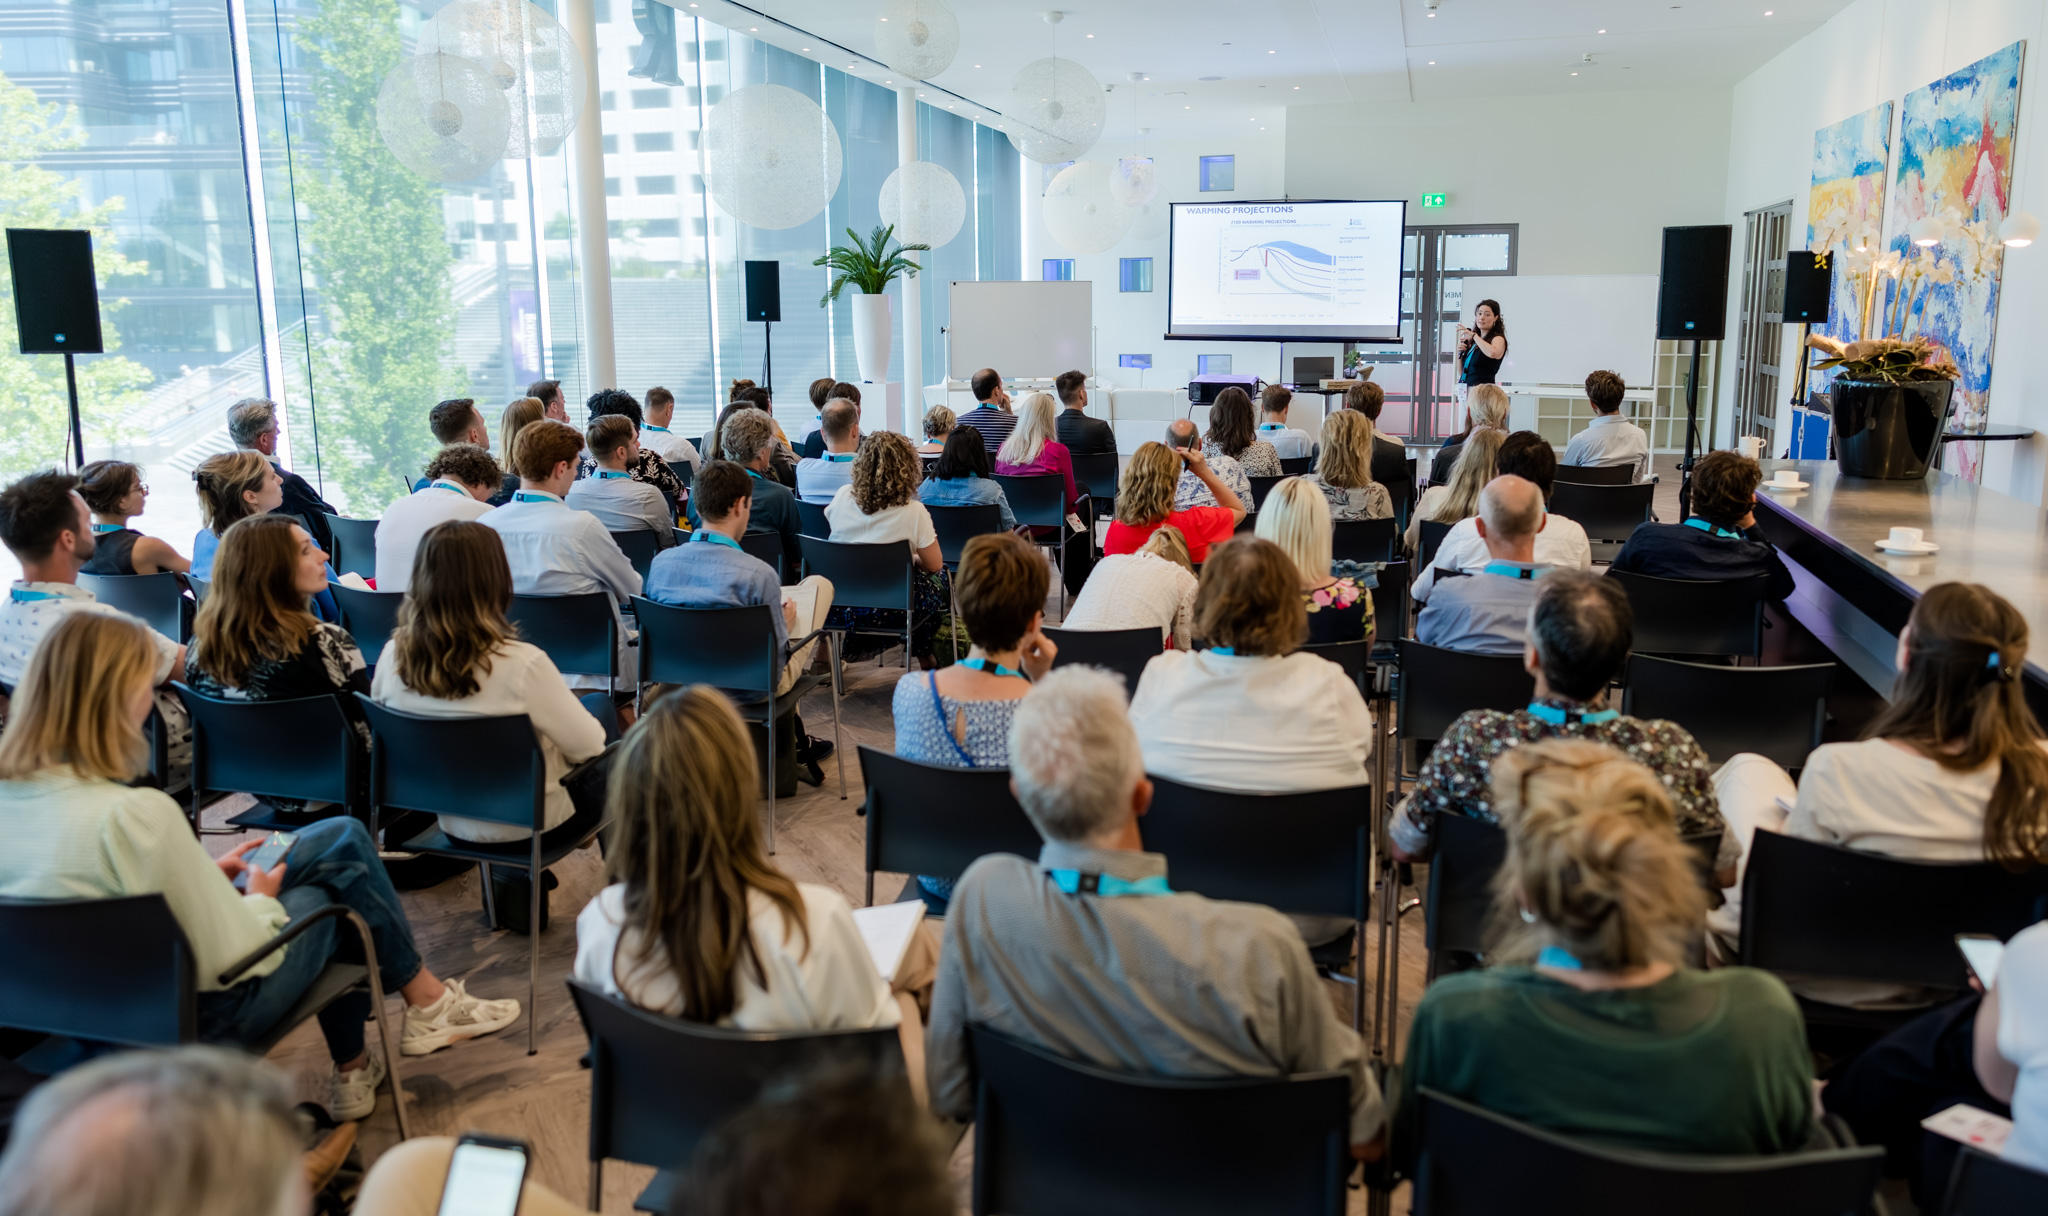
(871, 337)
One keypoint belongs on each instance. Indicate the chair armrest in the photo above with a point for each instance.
(286, 938)
(796, 644)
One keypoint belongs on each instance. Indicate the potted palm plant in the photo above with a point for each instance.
(870, 265)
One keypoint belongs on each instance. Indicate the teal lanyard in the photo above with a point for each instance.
(523, 496)
(716, 538)
(1229, 650)
(839, 457)
(755, 473)
(613, 475)
(1109, 886)
(986, 665)
(1559, 717)
(451, 487)
(23, 595)
(1558, 958)
(1511, 570)
(1711, 530)
(659, 430)
(102, 529)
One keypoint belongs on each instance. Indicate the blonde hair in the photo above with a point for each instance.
(515, 419)
(1595, 857)
(1346, 459)
(71, 707)
(1145, 494)
(886, 473)
(1488, 406)
(1170, 543)
(222, 481)
(1474, 468)
(1035, 428)
(939, 422)
(1296, 517)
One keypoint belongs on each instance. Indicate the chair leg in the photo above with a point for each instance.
(870, 900)
(770, 723)
(483, 869)
(383, 1015)
(1358, 989)
(597, 1185)
(536, 899)
(838, 751)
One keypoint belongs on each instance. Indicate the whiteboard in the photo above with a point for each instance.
(1025, 330)
(1563, 326)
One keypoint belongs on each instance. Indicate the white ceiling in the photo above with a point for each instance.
(1270, 54)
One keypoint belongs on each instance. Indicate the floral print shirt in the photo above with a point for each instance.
(1259, 458)
(1190, 492)
(1373, 501)
(1340, 612)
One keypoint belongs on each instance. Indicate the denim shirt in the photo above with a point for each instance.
(968, 491)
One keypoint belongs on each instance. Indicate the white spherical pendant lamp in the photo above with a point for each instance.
(925, 203)
(1081, 212)
(917, 37)
(443, 117)
(774, 156)
(1055, 111)
(1136, 180)
(530, 57)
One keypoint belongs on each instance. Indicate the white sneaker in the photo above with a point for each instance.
(353, 1094)
(456, 1016)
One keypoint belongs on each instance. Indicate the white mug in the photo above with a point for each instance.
(1905, 538)
(1785, 477)
(1752, 446)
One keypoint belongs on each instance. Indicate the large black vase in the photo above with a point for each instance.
(1890, 431)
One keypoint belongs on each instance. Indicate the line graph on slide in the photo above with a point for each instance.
(1279, 267)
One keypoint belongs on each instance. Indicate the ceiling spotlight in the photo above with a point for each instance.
(1767, 12)
(1297, 88)
(1091, 35)
(1432, 63)
(2019, 229)
(753, 29)
(1574, 73)
(1603, 31)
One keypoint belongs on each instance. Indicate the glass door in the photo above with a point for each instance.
(1420, 373)
(1759, 334)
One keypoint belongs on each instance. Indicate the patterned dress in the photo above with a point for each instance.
(328, 664)
(1355, 502)
(1340, 612)
(925, 723)
(1258, 459)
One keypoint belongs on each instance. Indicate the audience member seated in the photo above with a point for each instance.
(818, 478)
(252, 425)
(806, 441)
(1297, 519)
(749, 440)
(1478, 463)
(231, 486)
(1145, 500)
(454, 421)
(1587, 1021)
(1192, 491)
(881, 507)
(814, 443)
(549, 394)
(642, 465)
(454, 655)
(657, 437)
(43, 523)
(1579, 636)
(114, 491)
(610, 493)
(1084, 436)
(1720, 540)
(1953, 769)
(1155, 586)
(516, 417)
(698, 923)
(964, 476)
(991, 414)
(462, 479)
(712, 571)
(1254, 711)
(960, 715)
(938, 427)
(1560, 543)
(1055, 953)
(1486, 409)
(554, 549)
(1234, 434)
(1389, 456)
(1344, 474)
(1488, 612)
(71, 827)
(1031, 451)
(1289, 443)
(1609, 439)
(781, 459)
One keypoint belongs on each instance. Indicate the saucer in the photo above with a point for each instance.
(1925, 546)
(1800, 485)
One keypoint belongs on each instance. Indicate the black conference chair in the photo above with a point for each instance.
(868, 576)
(579, 632)
(1295, 466)
(488, 769)
(1472, 1161)
(1123, 651)
(1364, 540)
(955, 526)
(120, 970)
(1353, 657)
(681, 470)
(1403, 494)
(1095, 476)
(1597, 474)
(767, 546)
(355, 545)
(1308, 853)
(1696, 616)
(1436, 685)
(155, 599)
(639, 546)
(1054, 1136)
(199, 586)
(1041, 502)
(1984, 1185)
(935, 819)
(1609, 514)
(1248, 526)
(1776, 712)
(1390, 610)
(304, 748)
(1262, 486)
(1460, 913)
(734, 651)
(659, 1085)
(811, 519)
(369, 617)
(1430, 538)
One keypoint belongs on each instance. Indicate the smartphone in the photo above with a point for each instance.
(265, 856)
(1981, 952)
(485, 1176)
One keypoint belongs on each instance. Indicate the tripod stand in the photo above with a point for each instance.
(1692, 434)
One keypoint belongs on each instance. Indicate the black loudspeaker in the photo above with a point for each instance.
(1808, 284)
(764, 291)
(56, 297)
(1692, 283)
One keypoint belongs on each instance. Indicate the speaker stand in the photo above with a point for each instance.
(77, 430)
(768, 357)
(1805, 352)
(1692, 419)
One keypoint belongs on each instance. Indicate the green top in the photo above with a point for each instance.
(1711, 1062)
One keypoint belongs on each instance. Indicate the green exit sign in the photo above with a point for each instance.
(1435, 200)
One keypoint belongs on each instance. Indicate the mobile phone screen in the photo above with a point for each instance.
(483, 1180)
(1982, 953)
(265, 856)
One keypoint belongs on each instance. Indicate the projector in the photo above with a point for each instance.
(1204, 389)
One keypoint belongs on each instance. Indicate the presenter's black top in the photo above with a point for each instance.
(1085, 436)
(1479, 369)
(113, 553)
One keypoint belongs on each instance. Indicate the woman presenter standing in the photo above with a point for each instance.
(1481, 347)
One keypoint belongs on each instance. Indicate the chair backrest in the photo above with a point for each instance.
(1984, 1185)
(1363, 540)
(1438, 684)
(811, 519)
(479, 768)
(1696, 616)
(200, 586)
(933, 819)
(579, 632)
(864, 576)
(1056, 1136)
(1605, 512)
(1262, 486)
(355, 545)
(1403, 494)
(1430, 538)
(728, 648)
(639, 546)
(1248, 526)
(1295, 466)
(1471, 1161)
(1837, 913)
(681, 471)
(1039, 500)
(1353, 657)
(1123, 651)
(1597, 474)
(369, 617)
(1776, 712)
(767, 546)
(1302, 852)
(154, 598)
(1095, 476)
(956, 526)
(115, 970)
(304, 747)
(1469, 852)
(1390, 604)
(658, 1084)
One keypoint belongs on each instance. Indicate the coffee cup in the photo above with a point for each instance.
(1752, 446)
(1788, 478)
(1905, 538)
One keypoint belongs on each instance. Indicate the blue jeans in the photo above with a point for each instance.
(333, 862)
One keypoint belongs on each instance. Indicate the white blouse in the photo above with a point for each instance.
(1878, 798)
(1242, 722)
(909, 522)
(820, 979)
(1132, 590)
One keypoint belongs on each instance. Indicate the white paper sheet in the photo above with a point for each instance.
(1977, 1128)
(886, 928)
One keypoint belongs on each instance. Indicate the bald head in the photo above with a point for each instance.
(1182, 433)
(840, 420)
(1510, 515)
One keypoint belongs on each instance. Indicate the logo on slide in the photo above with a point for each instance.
(1269, 267)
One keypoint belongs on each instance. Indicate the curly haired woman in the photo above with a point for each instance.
(880, 506)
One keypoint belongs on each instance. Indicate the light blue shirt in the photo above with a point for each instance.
(705, 574)
(818, 478)
(1289, 443)
(968, 491)
(1608, 440)
(624, 505)
(1482, 613)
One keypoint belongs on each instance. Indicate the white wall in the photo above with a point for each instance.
(1878, 50)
